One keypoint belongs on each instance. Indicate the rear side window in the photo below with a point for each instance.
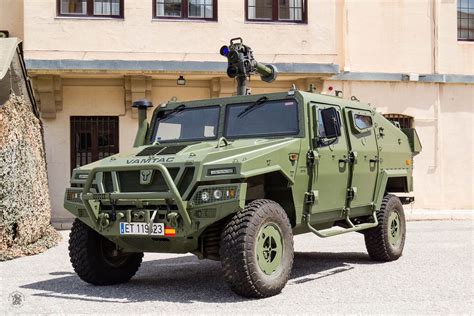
(362, 121)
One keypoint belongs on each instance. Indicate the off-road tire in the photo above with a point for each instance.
(239, 244)
(377, 240)
(86, 251)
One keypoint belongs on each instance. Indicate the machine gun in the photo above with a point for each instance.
(242, 64)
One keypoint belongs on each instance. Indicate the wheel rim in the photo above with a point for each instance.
(269, 248)
(394, 229)
(111, 255)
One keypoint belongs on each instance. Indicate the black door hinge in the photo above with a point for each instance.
(350, 194)
(309, 198)
(310, 158)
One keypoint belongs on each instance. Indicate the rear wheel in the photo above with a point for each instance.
(386, 241)
(97, 260)
(257, 250)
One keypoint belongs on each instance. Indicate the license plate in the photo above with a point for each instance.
(158, 229)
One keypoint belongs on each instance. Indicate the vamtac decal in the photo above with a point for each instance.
(149, 160)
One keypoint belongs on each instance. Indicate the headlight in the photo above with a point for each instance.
(204, 196)
(74, 195)
(215, 194)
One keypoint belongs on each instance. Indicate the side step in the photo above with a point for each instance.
(333, 232)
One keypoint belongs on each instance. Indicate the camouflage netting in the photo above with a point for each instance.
(25, 209)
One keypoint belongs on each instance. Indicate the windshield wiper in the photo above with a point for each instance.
(179, 108)
(253, 106)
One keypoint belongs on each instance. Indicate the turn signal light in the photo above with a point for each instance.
(408, 162)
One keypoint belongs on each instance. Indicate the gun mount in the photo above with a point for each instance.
(242, 64)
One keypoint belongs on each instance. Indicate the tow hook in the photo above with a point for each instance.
(173, 219)
(104, 220)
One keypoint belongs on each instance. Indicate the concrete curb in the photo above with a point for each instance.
(410, 214)
(438, 215)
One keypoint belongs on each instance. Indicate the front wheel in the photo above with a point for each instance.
(386, 241)
(97, 260)
(257, 250)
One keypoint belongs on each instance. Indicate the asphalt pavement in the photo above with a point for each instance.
(333, 275)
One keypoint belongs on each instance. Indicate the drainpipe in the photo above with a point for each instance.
(142, 106)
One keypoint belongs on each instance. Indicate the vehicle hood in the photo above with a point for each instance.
(249, 156)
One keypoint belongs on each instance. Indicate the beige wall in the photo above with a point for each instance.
(417, 36)
(139, 37)
(453, 56)
(11, 17)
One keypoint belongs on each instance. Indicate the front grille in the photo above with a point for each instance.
(129, 181)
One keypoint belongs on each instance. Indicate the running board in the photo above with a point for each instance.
(333, 232)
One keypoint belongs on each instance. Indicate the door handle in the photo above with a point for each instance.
(374, 160)
(350, 159)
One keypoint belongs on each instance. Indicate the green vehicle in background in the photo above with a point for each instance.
(234, 179)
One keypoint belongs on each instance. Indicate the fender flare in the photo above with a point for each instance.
(385, 174)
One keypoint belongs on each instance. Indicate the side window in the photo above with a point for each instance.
(323, 141)
(321, 131)
(90, 8)
(465, 20)
(362, 121)
(185, 9)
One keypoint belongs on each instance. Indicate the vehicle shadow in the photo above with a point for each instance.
(187, 279)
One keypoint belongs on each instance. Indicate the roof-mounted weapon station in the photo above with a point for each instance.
(242, 65)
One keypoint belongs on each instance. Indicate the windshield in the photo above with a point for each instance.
(269, 118)
(188, 124)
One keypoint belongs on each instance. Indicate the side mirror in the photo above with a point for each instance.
(330, 122)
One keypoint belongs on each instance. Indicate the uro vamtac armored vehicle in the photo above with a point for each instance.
(233, 179)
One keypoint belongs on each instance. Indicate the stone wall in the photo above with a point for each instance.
(25, 209)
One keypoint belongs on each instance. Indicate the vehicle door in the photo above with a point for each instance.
(331, 174)
(363, 156)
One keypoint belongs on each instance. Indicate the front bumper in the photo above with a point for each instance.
(103, 211)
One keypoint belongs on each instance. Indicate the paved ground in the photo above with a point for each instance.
(333, 275)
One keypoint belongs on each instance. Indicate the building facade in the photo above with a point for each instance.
(90, 59)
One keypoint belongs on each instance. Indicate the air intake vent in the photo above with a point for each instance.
(161, 150)
(150, 151)
(172, 150)
(186, 179)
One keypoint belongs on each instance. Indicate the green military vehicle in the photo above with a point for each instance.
(233, 179)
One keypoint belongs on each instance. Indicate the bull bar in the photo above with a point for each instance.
(173, 192)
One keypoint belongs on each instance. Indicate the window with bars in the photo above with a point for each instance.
(90, 8)
(405, 121)
(185, 9)
(93, 138)
(276, 10)
(466, 20)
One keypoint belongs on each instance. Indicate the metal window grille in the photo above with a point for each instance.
(465, 20)
(93, 138)
(405, 121)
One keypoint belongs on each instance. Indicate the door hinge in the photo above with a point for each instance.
(351, 193)
(310, 158)
(309, 197)
(351, 159)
